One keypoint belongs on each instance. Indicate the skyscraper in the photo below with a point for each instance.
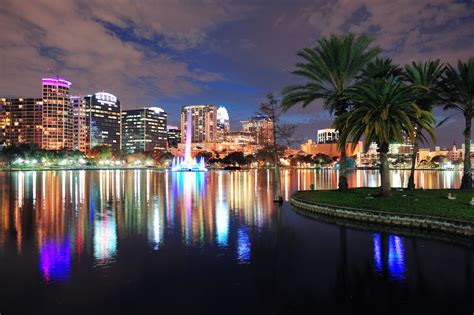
(57, 118)
(144, 129)
(21, 121)
(80, 123)
(223, 124)
(261, 127)
(104, 120)
(204, 124)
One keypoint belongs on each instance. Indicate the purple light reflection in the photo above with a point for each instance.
(55, 260)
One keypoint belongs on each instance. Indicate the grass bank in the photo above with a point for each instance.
(433, 202)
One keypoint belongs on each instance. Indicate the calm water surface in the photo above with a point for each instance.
(142, 241)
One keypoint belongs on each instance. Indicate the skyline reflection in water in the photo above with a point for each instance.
(76, 210)
(90, 219)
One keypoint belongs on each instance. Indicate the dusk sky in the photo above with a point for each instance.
(231, 53)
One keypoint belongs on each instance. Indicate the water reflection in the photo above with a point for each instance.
(69, 234)
(69, 214)
(243, 246)
(55, 260)
(389, 255)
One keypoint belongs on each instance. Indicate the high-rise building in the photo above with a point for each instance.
(144, 129)
(223, 124)
(328, 136)
(80, 123)
(261, 127)
(174, 136)
(104, 120)
(57, 118)
(4, 123)
(21, 121)
(204, 124)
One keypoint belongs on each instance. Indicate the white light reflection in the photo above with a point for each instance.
(222, 214)
(105, 237)
(158, 227)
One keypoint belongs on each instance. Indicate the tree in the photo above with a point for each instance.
(425, 79)
(322, 159)
(439, 160)
(165, 158)
(458, 92)
(235, 158)
(102, 152)
(264, 155)
(383, 111)
(381, 68)
(330, 69)
(281, 133)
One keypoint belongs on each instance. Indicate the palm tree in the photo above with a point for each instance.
(330, 69)
(458, 91)
(425, 78)
(382, 68)
(383, 111)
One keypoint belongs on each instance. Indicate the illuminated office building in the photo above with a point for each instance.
(223, 124)
(144, 129)
(203, 124)
(57, 115)
(174, 136)
(328, 136)
(21, 121)
(104, 120)
(80, 123)
(261, 127)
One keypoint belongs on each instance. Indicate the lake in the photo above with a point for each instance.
(146, 241)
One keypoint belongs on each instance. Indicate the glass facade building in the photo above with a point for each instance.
(21, 121)
(57, 115)
(203, 124)
(103, 117)
(80, 123)
(144, 129)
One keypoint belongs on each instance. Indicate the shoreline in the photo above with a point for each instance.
(94, 168)
(460, 227)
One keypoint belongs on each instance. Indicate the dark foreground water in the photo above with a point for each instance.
(147, 242)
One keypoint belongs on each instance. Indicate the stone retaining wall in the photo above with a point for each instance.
(458, 227)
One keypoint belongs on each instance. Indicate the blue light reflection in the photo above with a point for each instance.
(243, 246)
(55, 260)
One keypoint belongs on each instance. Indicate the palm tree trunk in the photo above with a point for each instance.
(278, 195)
(384, 171)
(467, 176)
(343, 184)
(411, 179)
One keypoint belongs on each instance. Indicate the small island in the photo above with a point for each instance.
(444, 210)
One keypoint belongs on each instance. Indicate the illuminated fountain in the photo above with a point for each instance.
(188, 163)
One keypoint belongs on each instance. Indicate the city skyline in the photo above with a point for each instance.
(213, 54)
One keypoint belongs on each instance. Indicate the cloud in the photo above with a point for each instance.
(405, 29)
(227, 51)
(72, 39)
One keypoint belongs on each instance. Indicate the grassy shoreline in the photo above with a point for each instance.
(432, 202)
